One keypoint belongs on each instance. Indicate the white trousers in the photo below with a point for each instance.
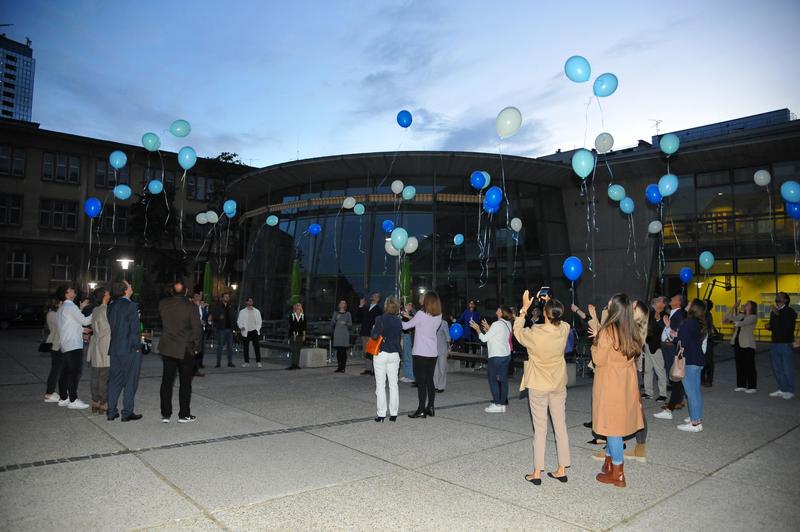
(386, 366)
(654, 361)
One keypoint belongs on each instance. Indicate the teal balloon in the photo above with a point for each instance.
(118, 159)
(155, 186)
(577, 69)
(605, 85)
(180, 128)
(616, 192)
(409, 192)
(668, 185)
(669, 143)
(706, 260)
(458, 239)
(399, 238)
(272, 220)
(583, 163)
(229, 206)
(187, 157)
(790, 191)
(359, 209)
(122, 192)
(151, 142)
(626, 205)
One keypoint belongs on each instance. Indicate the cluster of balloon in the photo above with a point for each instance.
(686, 274)
(479, 179)
(404, 119)
(508, 122)
(208, 217)
(706, 260)
(516, 225)
(388, 226)
(458, 239)
(456, 332)
(399, 242)
(583, 162)
(578, 69)
(626, 205)
(229, 208)
(272, 220)
(668, 185)
(492, 200)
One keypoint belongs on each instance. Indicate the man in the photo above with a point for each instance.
(179, 345)
(126, 361)
(223, 319)
(781, 323)
(71, 324)
(249, 323)
(367, 315)
(653, 356)
(669, 349)
(197, 299)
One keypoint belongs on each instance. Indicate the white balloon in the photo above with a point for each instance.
(604, 142)
(201, 218)
(398, 186)
(349, 202)
(508, 122)
(516, 224)
(762, 178)
(390, 249)
(655, 227)
(411, 245)
(212, 217)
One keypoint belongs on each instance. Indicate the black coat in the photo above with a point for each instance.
(182, 329)
(217, 316)
(367, 318)
(654, 329)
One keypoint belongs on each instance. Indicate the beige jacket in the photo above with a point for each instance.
(616, 409)
(546, 368)
(52, 327)
(746, 323)
(97, 353)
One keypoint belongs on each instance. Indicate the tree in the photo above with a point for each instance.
(228, 157)
(296, 282)
(405, 280)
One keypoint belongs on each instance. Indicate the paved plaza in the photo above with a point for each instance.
(299, 450)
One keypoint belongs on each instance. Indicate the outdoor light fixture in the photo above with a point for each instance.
(421, 290)
(699, 284)
(92, 285)
(125, 263)
(234, 286)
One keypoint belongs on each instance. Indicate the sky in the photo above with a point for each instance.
(279, 80)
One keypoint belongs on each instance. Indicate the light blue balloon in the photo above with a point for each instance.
(616, 192)
(359, 209)
(790, 191)
(577, 69)
(229, 206)
(583, 163)
(180, 128)
(399, 238)
(187, 157)
(151, 142)
(668, 184)
(706, 260)
(155, 186)
(488, 179)
(409, 192)
(669, 143)
(605, 85)
(122, 192)
(118, 159)
(458, 239)
(626, 205)
(230, 214)
(272, 220)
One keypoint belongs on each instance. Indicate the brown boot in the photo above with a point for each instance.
(606, 469)
(638, 453)
(95, 407)
(103, 407)
(616, 476)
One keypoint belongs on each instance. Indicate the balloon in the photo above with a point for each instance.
(92, 207)
(151, 142)
(616, 192)
(458, 239)
(583, 162)
(653, 194)
(577, 69)
(212, 217)
(404, 118)
(790, 192)
(388, 226)
(399, 238)
(793, 210)
(231, 214)
(477, 180)
(604, 142)
(411, 245)
(762, 178)
(180, 128)
(314, 229)
(229, 206)
(122, 192)
(349, 202)
(488, 178)
(389, 248)
(456, 332)
(187, 157)
(358, 209)
(605, 85)
(686, 274)
(397, 186)
(626, 205)
(508, 122)
(155, 186)
(516, 224)
(655, 227)
(201, 218)
(669, 143)
(573, 268)
(272, 220)
(409, 192)
(494, 197)
(706, 260)
(668, 184)
(118, 159)
(490, 209)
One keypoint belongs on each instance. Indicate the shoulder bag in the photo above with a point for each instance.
(678, 371)
(373, 346)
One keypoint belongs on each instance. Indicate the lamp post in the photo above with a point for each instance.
(125, 264)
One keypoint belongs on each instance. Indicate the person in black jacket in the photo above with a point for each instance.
(692, 334)
(223, 317)
(672, 323)
(297, 334)
(653, 357)
(782, 322)
(367, 314)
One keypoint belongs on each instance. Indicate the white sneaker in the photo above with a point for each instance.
(404, 379)
(52, 398)
(776, 393)
(664, 414)
(688, 427)
(259, 365)
(64, 402)
(165, 420)
(687, 420)
(493, 409)
(504, 408)
(751, 390)
(245, 365)
(788, 395)
(739, 389)
(77, 404)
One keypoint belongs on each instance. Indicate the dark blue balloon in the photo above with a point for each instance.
(388, 226)
(490, 209)
(314, 229)
(477, 180)
(456, 332)
(686, 274)
(92, 207)
(494, 196)
(793, 210)
(573, 268)
(653, 194)
(404, 118)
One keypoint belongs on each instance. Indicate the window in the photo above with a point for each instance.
(119, 219)
(10, 209)
(156, 173)
(201, 188)
(58, 214)
(105, 176)
(61, 167)
(99, 269)
(196, 231)
(12, 161)
(18, 266)
(61, 268)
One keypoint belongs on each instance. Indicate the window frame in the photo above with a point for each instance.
(56, 263)
(12, 262)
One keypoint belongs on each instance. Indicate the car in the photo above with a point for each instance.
(25, 317)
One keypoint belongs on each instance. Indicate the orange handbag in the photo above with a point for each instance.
(374, 346)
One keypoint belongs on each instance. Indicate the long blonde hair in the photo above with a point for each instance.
(621, 326)
(641, 316)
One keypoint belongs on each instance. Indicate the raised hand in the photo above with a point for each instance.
(526, 301)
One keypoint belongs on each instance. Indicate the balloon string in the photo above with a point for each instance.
(391, 165)
(89, 262)
(515, 236)
(586, 122)
(796, 248)
(183, 182)
(572, 289)
(771, 216)
(672, 223)
(360, 234)
(585, 194)
(203, 245)
(661, 259)
(336, 236)
(503, 175)
(633, 239)
(605, 159)
(252, 248)
(602, 119)
(449, 265)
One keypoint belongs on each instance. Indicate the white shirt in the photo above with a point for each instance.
(372, 306)
(665, 336)
(249, 319)
(70, 326)
(496, 339)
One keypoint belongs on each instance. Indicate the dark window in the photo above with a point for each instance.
(201, 188)
(74, 169)
(48, 166)
(11, 67)
(5, 160)
(8, 94)
(11, 57)
(10, 76)
(58, 214)
(61, 167)
(99, 269)
(18, 266)
(12, 161)
(8, 103)
(105, 176)
(118, 218)
(10, 209)
(196, 231)
(5, 112)
(61, 267)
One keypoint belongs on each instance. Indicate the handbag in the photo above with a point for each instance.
(678, 371)
(374, 346)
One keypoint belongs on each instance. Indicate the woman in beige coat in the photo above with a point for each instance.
(616, 411)
(744, 345)
(97, 353)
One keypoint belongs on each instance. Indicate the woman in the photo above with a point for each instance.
(408, 341)
(56, 357)
(691, 336)
(97, 353)
(341, 322)
(641, 316)
(616, 407)
(442, 352)
(297, 334)
(744, 345)
(469, 339)
(498, 344)
(707, 375)
(387, 362)
(545, 377)
(425, 353)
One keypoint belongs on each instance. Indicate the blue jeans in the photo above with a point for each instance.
(498, 379)
(123, 377)
(224, 336)
(783, 366)
(615, 449)
(408, 362)
(691, 385)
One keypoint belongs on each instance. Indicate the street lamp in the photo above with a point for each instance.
(421, 290)
(125, 263)
(234, 286)
(92, 285)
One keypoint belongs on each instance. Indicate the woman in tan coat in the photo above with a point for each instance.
(616, 411)
(744, 345)
(97, 353)
(545, 377)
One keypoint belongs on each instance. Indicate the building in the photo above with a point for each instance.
(17, 68)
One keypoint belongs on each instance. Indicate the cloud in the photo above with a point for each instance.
(481, 136)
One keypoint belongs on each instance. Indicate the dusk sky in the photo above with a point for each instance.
(269, 79)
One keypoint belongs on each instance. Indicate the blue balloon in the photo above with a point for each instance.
(231, 214)
(488, 178)
(793, 210)
(573, 268)
(577, 69)
(494, 197)
(490, 209)
(272, 220)
(409, 192)
(399, 238)
(456, 332)
(404, 118)
(180, 128)
(626, 205)
(686, 274)
(122, 192)
(187, 157)
(229, 206)
(477, 180)
(706, 260)
(359, 209)
(583, 163)
(653, 194)
(118, 159)
(616, 192)
(790, 192)
(388, 226)
(669, 143)
(668, 184)
(92, 207)
(605, 85)
(314, 229)
(458, 239)
(155, 186)
(151, 142)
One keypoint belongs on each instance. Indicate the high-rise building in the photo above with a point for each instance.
(17, 67)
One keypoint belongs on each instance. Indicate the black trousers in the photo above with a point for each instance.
(677, 394)
(56, 375)
(71, 373)
(707, 375)
(745, 367)
(424, 368)
(185, 370)
(252, 337)
(341, 357)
